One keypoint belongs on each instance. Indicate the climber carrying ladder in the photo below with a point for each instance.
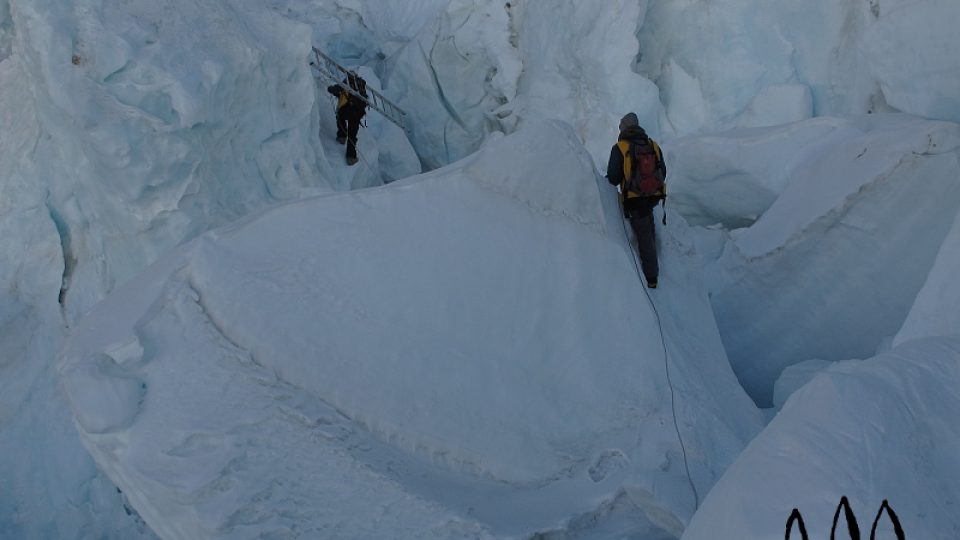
(350, 110)
(352, 92)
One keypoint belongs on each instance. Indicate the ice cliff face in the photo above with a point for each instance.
(684, 67)
(128, 127)
(149, 127)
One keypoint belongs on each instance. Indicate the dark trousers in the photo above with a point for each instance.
(645, 231)
(348, 124)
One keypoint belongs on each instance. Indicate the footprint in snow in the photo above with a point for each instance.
(609, 460)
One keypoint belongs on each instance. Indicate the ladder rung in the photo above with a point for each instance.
(328, 68)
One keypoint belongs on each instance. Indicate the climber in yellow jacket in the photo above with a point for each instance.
(350, 110)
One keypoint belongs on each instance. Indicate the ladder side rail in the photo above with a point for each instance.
(396, 112)
(389, 103)
(328, 66)
(390, 113)
(346, 72)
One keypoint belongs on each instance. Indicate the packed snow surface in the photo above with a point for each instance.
(266, 378)
(935, 311)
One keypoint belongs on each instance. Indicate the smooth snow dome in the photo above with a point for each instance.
(515, 356)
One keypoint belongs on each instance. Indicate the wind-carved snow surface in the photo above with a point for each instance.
(153, 142)
(467, 353)
(934, 312)
(684, 67)
(851, 256)
(883, 428)
(49, 487)
(451, 76)
(130, 127)
(857, 215)
(718, 63)
(482, 66)
(160, 131)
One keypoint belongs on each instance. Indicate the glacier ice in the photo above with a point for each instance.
(882, 428)
(130, 127)
(514, 362)
(833, 265)
(934, 311)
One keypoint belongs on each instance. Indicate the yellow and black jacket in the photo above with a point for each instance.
(346, 102)
(619, 168)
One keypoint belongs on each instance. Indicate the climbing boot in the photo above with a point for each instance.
(351, 160)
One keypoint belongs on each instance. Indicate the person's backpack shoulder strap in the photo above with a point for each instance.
(663, 170)
(656, 148)
(624, 147)
(660, 161)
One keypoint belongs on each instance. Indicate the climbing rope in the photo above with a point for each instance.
(666, 366)
(365, 162)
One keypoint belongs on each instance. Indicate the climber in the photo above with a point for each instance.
(636, 166)
(350, 109)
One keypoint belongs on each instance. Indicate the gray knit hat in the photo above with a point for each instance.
(630, 119)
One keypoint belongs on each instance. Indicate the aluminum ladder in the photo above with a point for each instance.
(327, 69)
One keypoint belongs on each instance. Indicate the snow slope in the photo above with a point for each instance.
(856, 216)
(885, 231)
(883, 428)
(934, 312)
(457, 346)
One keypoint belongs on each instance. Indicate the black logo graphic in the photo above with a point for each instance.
(853, 530)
